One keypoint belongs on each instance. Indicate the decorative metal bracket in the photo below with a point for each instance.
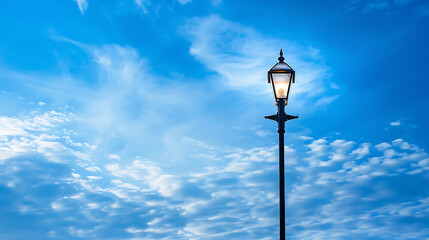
(286, 117)
(272, 117)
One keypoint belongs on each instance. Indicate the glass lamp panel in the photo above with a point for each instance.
(281, 66)
(281, 84)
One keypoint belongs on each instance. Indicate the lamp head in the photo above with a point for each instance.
(281, 76)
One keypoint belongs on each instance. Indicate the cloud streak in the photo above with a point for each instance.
(82, 4)
(240, 55)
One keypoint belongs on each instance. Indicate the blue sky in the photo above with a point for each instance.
(144, 119)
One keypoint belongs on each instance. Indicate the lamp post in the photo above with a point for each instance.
(281, 76)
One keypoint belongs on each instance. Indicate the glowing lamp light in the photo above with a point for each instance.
(281, 75)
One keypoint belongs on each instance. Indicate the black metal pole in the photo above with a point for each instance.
(281, 130)
(281, 117)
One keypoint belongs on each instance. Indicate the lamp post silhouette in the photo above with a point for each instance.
(281, 76)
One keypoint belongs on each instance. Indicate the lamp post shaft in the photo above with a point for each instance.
(281, 130)
(280, 76)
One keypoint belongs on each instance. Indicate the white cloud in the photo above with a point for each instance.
(93, 169)
(184, 1)
(165, 184)
(22, 126)
(388, 6)
(82, 4)
(396, 123)
(362, 151)
(197, 143)
(94, 177)
(424, 163)
(234, 198)
(125, 94)
(376, 5)
(113, 156)
(142, 4)
(262, 133)
(318, 149)
(383, 146)
(305, 138)
(27, 134)
(340, 147)
(352, 186)
(242, 56)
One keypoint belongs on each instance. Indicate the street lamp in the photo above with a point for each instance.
(281, 76)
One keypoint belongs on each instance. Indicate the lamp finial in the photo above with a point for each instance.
(281, 58)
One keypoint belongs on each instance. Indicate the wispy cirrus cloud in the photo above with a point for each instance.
(240, 55)
(142, 4)
(82, 4)
(376, 5)
(395, 123)
(379, 5)
(184, 1)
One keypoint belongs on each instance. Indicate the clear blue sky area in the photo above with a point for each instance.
(144, 119)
